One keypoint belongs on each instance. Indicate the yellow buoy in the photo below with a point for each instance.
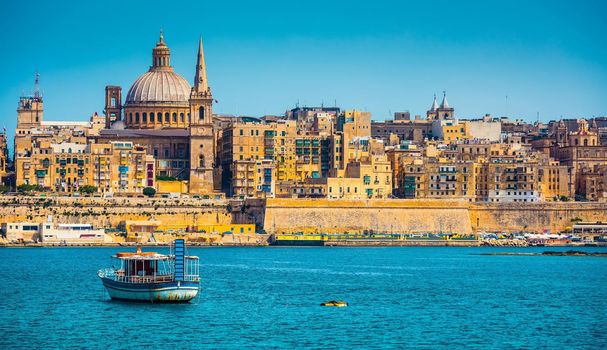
(335, 303)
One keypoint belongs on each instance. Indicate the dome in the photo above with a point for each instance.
(159, 87)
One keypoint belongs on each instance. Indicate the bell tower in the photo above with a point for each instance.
(202, 144)
(29, 112)
(113, 105)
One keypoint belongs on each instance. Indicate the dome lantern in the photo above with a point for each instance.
(161, 55)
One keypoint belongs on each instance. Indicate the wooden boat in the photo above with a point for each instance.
(153, 277)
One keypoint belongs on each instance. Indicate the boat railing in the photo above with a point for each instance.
(119, 276)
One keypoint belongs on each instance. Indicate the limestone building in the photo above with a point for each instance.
(3, 156)
(162, 115)
(171, 119)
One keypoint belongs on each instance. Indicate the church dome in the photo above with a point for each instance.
(159, 87)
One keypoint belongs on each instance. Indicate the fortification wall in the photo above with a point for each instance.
(337, 216)
(411, 216)
(109, 212)
(534, 217)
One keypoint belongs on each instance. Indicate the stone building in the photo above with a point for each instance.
(171, 120)
(116, 167)
(3, 156)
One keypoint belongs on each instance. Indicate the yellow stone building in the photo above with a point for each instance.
(3, 156)
(162, 113)
(117, 167)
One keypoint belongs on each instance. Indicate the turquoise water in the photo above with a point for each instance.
(269, 297)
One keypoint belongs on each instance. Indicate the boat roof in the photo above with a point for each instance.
(141, 256)
(147, 256)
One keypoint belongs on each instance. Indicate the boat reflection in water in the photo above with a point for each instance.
(153, 277)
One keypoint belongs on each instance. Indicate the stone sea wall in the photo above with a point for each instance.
(109, 212)
(410, 216)
(354, 216)
(308, 215)
(534, 217)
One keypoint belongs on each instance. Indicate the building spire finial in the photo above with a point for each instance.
(200, 80)
(161, 38)
(445, 103)
(434, 106)
(37, 85)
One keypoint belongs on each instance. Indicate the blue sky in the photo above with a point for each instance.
(262, 57)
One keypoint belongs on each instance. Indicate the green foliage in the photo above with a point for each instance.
(165, 178)
(87, 189)
(564, 198)
(4, 188)
(25, 188)
(576, 219)
(149, 191)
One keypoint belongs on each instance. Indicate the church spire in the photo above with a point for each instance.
(200, 80)
(434, 104)
(445, 103)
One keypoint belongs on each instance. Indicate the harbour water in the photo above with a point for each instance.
(269, 297)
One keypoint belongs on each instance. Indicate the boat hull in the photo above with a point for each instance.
(165, 292)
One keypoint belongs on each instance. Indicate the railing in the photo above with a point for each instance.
(118, 276)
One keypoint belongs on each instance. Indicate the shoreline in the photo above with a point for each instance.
(336, 244)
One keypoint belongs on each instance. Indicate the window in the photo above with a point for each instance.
(151, 117)
(145, 117)
(182, 118)
(201, 114)
(136, 117)
(166, 117)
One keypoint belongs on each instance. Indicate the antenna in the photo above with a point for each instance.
(37, 86)
(506, 105)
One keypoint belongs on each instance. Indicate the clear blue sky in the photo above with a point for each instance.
(262, 57)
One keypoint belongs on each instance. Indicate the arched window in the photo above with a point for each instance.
(577, 142)
(585, 142)
(144, 117)
(130, 118)
(152, 117)
(201, 161)
(166, 117)
(181, 117)
(136, 117)
(174, 117)
(201, 113)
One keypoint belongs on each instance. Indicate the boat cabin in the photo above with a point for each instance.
(152, 267)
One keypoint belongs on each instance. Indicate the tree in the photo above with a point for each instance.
(24, 188)
(149, 191)
(4, 188)
(87, 189)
